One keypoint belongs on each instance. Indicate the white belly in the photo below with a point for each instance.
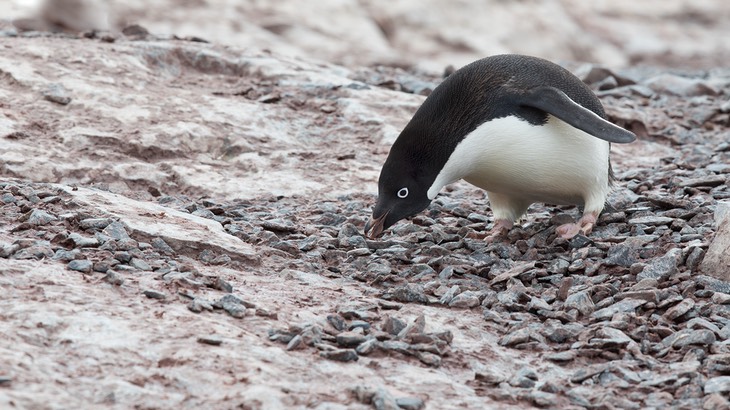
(553, 163)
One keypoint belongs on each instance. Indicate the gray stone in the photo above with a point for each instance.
(524, 378)
(717, 258)
(410, 403)
(340, 355)
(83, 241)
(429, 359)
(56, 93)
(580, 301)
(95, 223)
(367, 347)
(679, 309)
(721, 298)
(116, 230)
(687, 337)
(410, 293)
(448, 296)
(465, 300)
(64, 255)
(623, 306)
(516, 337)
(295, 343)
(81, 265)
(651, 220)
(153, 294)
(39, 217)
(140, 264)
(197, 305)
(162, 246)
(393, 325)
(720, 384)
(620, 255)
(210, 340)
(233, 306)
(113, 278)
(350, 338)
(663, 267)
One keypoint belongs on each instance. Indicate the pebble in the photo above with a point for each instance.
(210, 340)
(409, 293)
(465, 300)
(153, 294)
(38, 217)
(661, 268)
(116, 230)
(233, 306)
(340, 355)
(113, 278)
(687, 337)
(580, 301)
(83, 241)
(679, 309)
(410, 403)
(623, 306)
(95, 223)
(81, 265)
(140, 264)
(720, 384)
(350, 338)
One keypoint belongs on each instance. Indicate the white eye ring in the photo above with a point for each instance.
(403, 192)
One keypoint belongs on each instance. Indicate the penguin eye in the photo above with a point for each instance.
(403, 192)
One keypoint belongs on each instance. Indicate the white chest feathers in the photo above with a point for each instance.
(554, 163)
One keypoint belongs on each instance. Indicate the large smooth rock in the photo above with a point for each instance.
(717, 258)
(184, 232)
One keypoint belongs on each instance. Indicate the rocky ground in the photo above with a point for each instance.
(181, 226)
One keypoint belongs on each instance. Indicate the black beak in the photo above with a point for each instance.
(374, 227)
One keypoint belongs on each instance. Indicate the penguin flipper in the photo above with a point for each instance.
(557, 103)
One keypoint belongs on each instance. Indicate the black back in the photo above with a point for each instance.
(486, 89)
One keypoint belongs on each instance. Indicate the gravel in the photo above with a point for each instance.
(625, 317)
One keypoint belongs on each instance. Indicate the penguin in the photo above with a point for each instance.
(522, 128)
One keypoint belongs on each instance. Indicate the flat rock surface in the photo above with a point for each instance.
(181, 226)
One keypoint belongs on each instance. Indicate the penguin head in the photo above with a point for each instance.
(402, 192)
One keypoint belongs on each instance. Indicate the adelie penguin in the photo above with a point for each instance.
(522, 128)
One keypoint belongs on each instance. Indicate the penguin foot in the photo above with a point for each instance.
(584, 226)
